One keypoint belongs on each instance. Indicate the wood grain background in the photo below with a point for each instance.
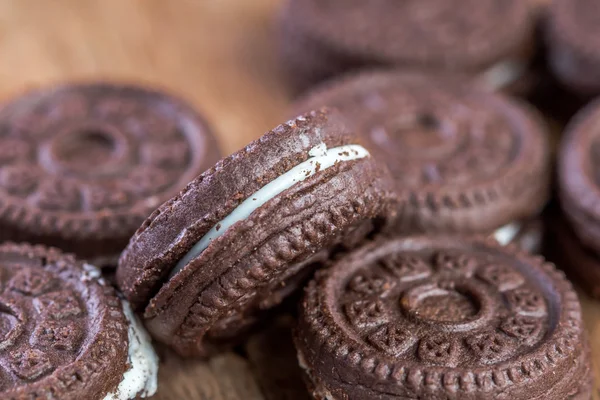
(218, 54)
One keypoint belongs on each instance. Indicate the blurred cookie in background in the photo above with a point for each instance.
(493, 40)
(575, 233)
(463, 159)
(82, 165)
(573, 35)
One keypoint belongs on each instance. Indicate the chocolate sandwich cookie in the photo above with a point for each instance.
(242, 236)
(64, 333)
(443, 318)
(572, 34)
(464, 160)
(493, 41)
(82, 165)
(579, 192)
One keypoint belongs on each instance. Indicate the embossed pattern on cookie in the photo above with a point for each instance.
(504, 323)
(64, 333)
(82, 165)
(463, 159)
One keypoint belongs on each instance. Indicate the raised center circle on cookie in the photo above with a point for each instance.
(77, 147)
(465, 304)
(419, 134)
(457, 306)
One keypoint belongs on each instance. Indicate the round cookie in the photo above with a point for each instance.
(323, 39)
(64, 333)
(82, 165)
(443, 318)
(242, 236)
(572, 35)
(464, 160)
(580, 263)
(579, 175)
(579, 193)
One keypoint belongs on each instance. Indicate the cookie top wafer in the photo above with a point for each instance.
(81, 166)
(463, 159)
(579, 174)
(240, 237)
(442, 317)
(430, 33)
(64, 333)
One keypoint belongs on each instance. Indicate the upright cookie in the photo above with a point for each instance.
(579, 192)
(443, 318)
(64, 334)
(82, 165)
(242, 236)
(321, 39)
(573, 36)
(464, 160)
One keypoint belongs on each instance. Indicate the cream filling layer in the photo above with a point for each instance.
(141, 377)
(320, 159)
(502, 74)
(505, 234)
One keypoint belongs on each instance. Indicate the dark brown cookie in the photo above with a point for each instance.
(579, 175)
(580, 263)
(463, 159)
(241, 236)
(579, 192)
(573, 34)
(64, 334)
(443, 318)
(82, 166)
(321, 39)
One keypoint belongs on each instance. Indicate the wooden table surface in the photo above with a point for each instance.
(218, 54)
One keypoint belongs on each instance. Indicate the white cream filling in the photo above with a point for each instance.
(320, 159)
(532, 241)
(141, 378)
(505, 234)
(502, 74)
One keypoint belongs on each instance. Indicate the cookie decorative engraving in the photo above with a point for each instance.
(31, 282)
(92, 161)
(368, 285)
(456, 153)
(12, 322)
(439, 349)
(55, 319)
(407, 268)
(486, 318)
(58, 305)
(392, 339)
(522, 327)
(527, 301)
(365, 313)
(501, 276)
(19, 179)
(447, 301)
(30, 364)
(449, 262)
(56, 195)
(60, 336)
(490, 347)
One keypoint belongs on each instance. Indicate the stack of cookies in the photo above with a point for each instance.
(394, 222)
